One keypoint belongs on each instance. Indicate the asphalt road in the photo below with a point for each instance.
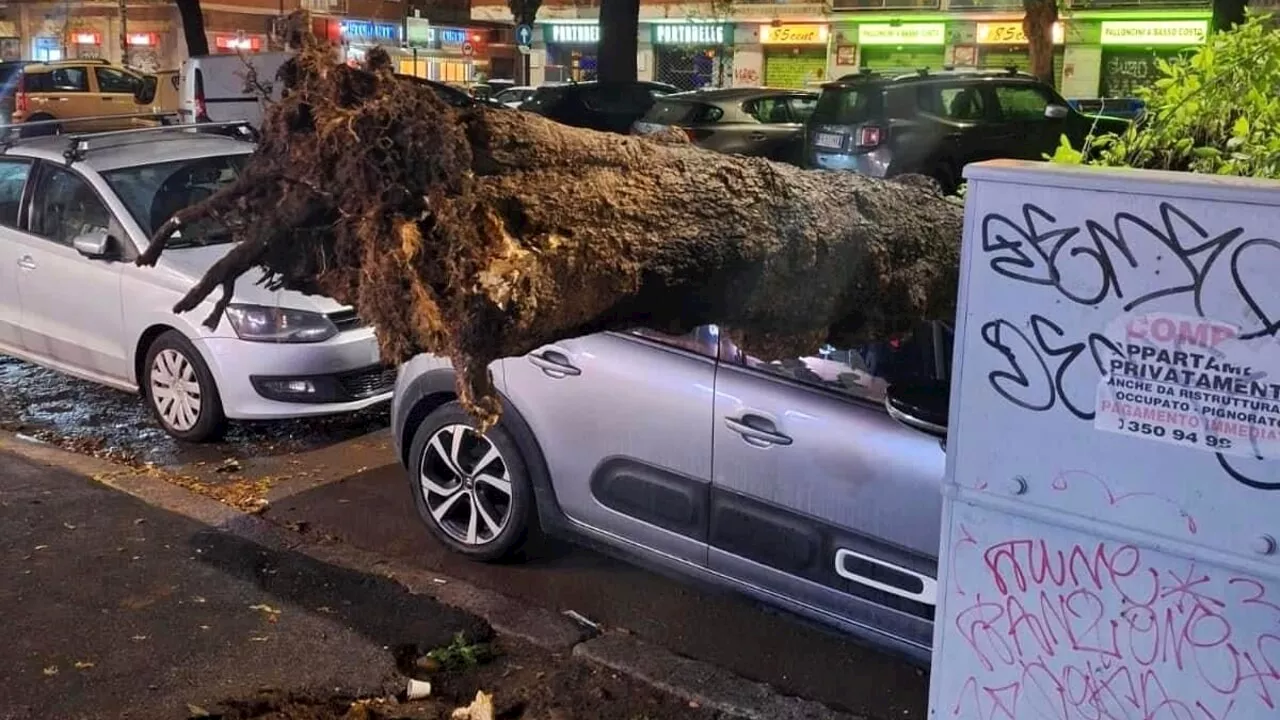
(373, 511)
(110, 607)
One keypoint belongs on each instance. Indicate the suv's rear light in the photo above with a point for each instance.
(22, 103)
(201, 109)
(869, 137)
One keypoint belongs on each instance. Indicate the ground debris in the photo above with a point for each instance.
(480, 709)
(451, 231)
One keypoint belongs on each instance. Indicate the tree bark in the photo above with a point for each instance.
(1228, 13)
(524, 11)
(619, 40)
(1037, 25)
(479, 233)
(193, 27)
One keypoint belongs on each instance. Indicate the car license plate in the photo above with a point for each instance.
(828, 140)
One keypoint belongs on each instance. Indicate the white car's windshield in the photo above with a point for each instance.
(153, 193)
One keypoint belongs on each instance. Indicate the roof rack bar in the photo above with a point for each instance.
(78, 143)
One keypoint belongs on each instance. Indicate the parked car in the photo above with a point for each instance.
(160, 95)
(609, 107)
(762, 122)
(513, 97)
(1127, 108)
(813, 483)
(75, 211)
(82, 95)
(935, 123)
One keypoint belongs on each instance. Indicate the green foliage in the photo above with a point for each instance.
(1214, 111)
(461, 654)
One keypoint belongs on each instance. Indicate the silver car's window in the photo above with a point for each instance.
(66, 206)
(13, 179)
(864, 371)
(153, 193)
(702, 340)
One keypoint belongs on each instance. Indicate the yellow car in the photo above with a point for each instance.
(71, 89)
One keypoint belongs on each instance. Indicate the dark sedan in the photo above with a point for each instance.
(762, 122)
(610, 107)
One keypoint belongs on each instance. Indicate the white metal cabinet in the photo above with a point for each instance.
(1109, 522)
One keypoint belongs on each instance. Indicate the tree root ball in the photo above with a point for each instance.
(482, 233)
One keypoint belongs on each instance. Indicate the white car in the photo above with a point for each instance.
(75, 212)
(514, 97)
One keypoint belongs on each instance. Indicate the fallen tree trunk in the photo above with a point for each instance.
(480, 234)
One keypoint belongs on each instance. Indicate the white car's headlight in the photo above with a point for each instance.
(272, 324)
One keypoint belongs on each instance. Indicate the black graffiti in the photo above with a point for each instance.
(1028, 380)
(1099, 262)
(1118, 262)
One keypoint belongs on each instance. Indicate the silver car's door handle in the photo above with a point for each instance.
(760, 429)
(27, 262)
(553, 363)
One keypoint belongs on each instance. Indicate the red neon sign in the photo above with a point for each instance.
(252, 43)
(144, 39)
(86, 38)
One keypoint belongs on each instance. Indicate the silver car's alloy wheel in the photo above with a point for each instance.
(466, 485)
(175, 389)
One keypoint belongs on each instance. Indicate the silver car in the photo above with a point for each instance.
(77, 209)
(812, 484)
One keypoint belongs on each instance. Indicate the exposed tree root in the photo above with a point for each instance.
(479, 234)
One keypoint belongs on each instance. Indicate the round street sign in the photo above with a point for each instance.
(468, 49)
(524, 36)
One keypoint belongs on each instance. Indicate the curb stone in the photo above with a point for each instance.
(708, 685)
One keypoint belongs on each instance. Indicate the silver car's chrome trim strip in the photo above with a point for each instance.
(914, 422)
(928, 592)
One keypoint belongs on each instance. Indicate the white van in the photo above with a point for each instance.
(214, 88)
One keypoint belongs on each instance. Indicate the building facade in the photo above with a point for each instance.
(430, 38)
(1103, 48)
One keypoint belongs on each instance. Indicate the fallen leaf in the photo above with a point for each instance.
(196, 711)
(204, 627)
(199, 600)
(51, 670)
(41, 547)
(83, 664)
(265, 608)
(139, 521)
(480, 709)
(68, 526)
(258, 638)
(138, 638)
(229, 465)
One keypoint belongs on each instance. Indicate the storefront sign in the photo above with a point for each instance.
(1010, 33)
(250, 43)
(793, 34)
(86, 38)
(143, 39)
(572, 34)
(1154, 32)
(905, 34)
(690, 34)
(365, 31)
(417, 32)
(452, 38)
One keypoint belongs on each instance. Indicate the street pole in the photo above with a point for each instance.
(124, 33)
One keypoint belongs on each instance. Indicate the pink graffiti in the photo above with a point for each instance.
(1062, 480)
(1101, 632)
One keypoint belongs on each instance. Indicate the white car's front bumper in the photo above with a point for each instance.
(343, 374)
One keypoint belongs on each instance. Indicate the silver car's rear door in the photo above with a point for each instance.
(819, 496)
(624, 422)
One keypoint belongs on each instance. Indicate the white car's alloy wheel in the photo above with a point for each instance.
(175, 390)
(466, 485)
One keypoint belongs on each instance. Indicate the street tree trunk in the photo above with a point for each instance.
(619, 40)
(1037, 25)
(480, 233)
(1228, 13)
(193, 27)
(524, 11)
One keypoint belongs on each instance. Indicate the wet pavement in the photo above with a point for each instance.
(114, 608)
(374, 511)
(107, 422)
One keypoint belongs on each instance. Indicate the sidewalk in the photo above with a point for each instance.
(114, 608)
